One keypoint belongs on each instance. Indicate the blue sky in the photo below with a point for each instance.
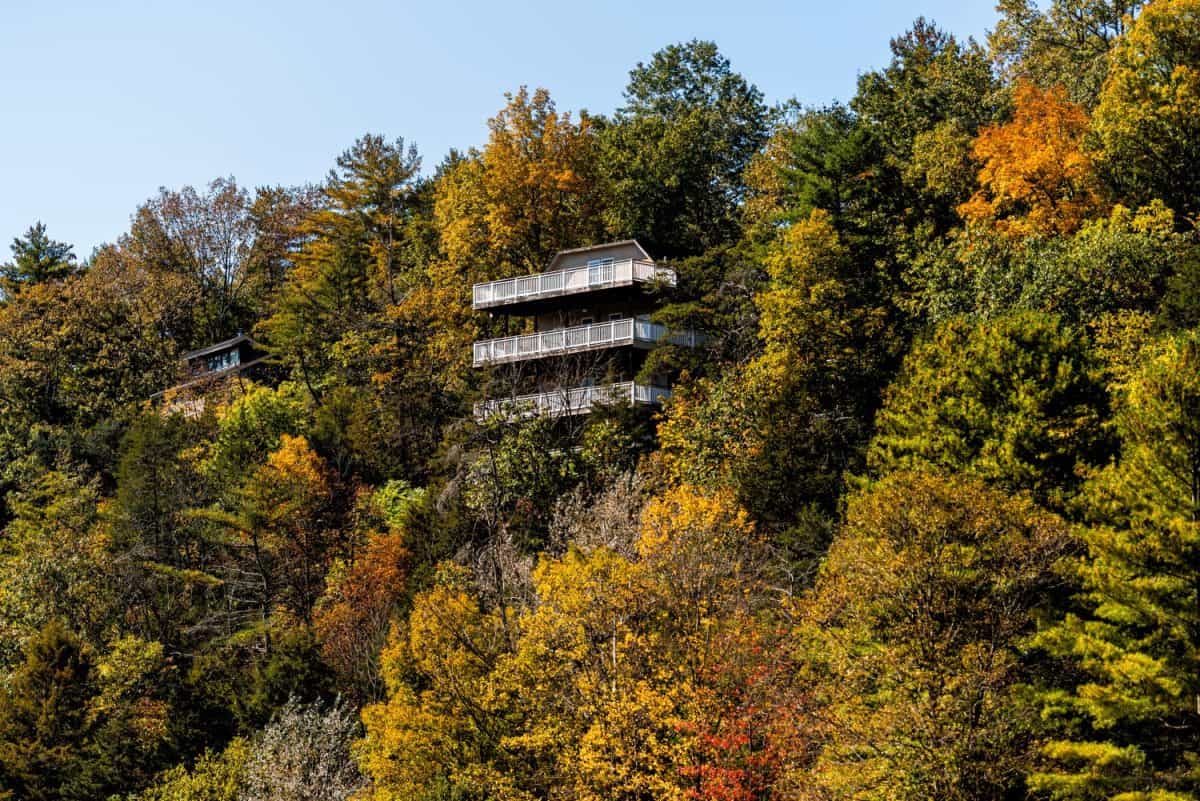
(103, 101)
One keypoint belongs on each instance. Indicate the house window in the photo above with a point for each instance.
(223, 361)
(614, 317)
(600, 271)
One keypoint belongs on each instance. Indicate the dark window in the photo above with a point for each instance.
(223, 361)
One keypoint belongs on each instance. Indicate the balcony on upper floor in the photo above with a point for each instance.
(566, 402)
(603, 275)
(578, 339)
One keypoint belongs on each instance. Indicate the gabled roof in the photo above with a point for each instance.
(212, 376)
(217, 348)
(603, 246)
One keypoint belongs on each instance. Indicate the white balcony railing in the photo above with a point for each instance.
(579, 400)
(568, 282)
(594, 336)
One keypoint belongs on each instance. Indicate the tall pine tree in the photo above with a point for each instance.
(1135, 712)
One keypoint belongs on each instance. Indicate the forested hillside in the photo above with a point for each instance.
(920, 521)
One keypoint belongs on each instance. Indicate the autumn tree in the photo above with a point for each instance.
(919, 617)
(783, 429)
(214, 776)
(74, 355)
(365, 588)
(288, 525)
(1035, 175)
(248, 429)
(539, 180)
(1147, 120)
(444, 732)
(54, 564)
(533, 190)
(586, 692)
(529, 193)
(209, 239)
(276, 214)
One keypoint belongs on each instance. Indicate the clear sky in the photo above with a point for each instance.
(104, 101)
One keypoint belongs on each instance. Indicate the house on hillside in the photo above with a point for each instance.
(221, 367)
(592, 329)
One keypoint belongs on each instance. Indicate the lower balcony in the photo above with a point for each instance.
(564, 402)
(594, 336)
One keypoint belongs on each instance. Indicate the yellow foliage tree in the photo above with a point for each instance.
(915, 632)
(531, 191)
(594, 692)
(540, 181)
(287, 524)
(443, 732)
(782, 429)
(1148, 118)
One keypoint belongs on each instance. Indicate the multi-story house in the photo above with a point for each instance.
(591, 332)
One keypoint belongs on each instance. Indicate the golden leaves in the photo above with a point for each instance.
(1035, 176)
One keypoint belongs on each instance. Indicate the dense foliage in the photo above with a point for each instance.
(920, 521)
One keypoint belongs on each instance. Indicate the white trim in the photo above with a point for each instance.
(567, 402)
(568, 282)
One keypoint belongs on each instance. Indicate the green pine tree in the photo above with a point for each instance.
(1134, 717)
(36, 259)
(44, 717)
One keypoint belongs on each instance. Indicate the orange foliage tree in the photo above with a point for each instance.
(361, 596)
(1035, 177)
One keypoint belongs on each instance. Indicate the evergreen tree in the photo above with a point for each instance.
(1133, 728)
(165, 558)
(36, 259)
(1016, 401)
(44, 718)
